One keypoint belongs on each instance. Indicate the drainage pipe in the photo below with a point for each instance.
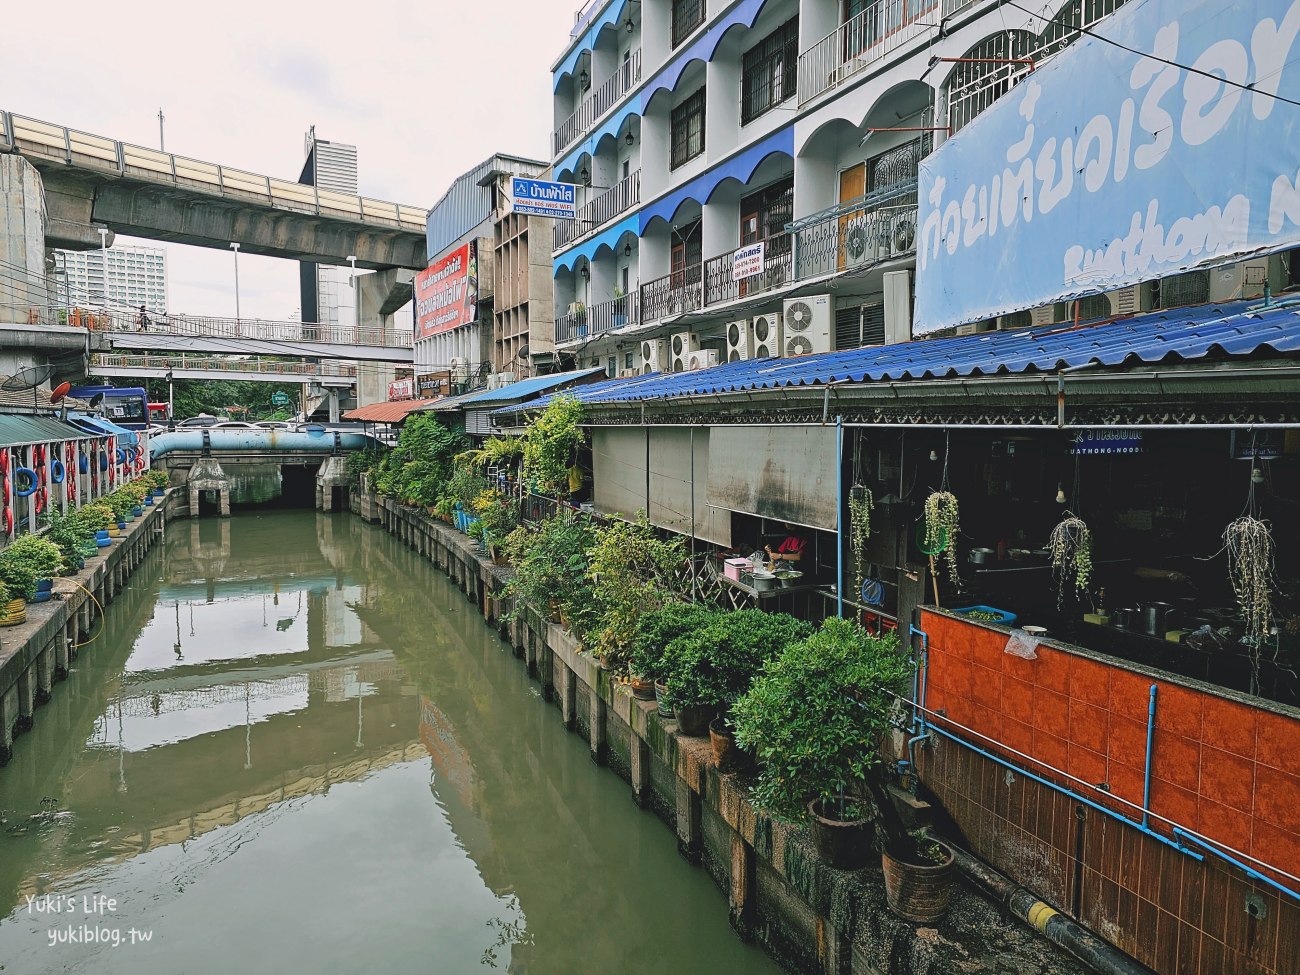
(289, 441)
(1100, 955)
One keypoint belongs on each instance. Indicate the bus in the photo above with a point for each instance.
(159, 412)
(127, 406)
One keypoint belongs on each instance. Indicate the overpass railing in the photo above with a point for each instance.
(256, 329)
(34, 138)
(215, 364)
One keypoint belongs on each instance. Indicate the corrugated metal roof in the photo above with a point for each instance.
(99, 426)
(17, 430)
(390, 412)
(526, 388)
(466, 204)
(1233, 329)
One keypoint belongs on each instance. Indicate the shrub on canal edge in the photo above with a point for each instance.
(27, 559)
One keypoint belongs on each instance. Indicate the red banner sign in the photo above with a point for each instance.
(401, 389)
(446, 293)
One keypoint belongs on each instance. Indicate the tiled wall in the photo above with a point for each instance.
(1221, 767)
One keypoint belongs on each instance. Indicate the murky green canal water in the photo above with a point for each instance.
(295, 747)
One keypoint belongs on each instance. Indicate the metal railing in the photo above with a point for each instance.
(596, 319)
(45, 140)
(721, 284)
(855, 235)
(616, 200)
(193, 363)
(626, 76)
(861, 41)
(571, 326)
(673, 294)
(125, 320)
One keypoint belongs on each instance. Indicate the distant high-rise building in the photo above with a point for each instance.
(136, 276)
(327, 295)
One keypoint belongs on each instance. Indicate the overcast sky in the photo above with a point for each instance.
(424, 90)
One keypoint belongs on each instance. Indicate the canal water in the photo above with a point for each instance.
(295, 746)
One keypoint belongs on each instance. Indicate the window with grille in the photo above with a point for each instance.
(688, 129)
(687, 15)
(769, 72)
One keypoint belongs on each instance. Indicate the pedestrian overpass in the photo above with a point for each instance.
(252, 368)
(95, 181)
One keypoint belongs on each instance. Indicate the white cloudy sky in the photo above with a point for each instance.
(424, 90)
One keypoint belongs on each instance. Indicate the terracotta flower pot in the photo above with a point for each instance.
(726, 753)
(915, 888)
(842, 843)
(642, 689)
(693, 722)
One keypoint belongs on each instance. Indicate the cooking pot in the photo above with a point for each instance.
(1125, 618)
(1155, 618)
(978, 556)
(764, 581)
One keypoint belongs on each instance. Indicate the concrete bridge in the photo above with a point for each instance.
(94, 181)
(255, 369)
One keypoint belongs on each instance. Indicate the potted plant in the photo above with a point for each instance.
(632, 571)
(551, 445)
(498, 516)
(653, 633)
(13, 610)
(551, 561)
(620, 307)
(815, 719)
(27, 563)
(711, 665)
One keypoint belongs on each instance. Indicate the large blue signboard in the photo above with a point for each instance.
(543, 198)
(1170, 141)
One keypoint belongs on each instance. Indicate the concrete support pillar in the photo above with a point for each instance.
(26, 698)
(641, 784)
(8, 722)
(45, 672)
(568, 688)
(334, 405)
(688, 822)
(63, 647)
(740, 898)
(207, 475)
(598, 717)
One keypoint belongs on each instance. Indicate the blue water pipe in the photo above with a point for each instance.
(288, 441)
(1146, 771)
(920, 678)
(1251, 872)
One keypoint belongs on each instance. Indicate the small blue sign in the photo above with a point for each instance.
(1107, 440)
(543, 198)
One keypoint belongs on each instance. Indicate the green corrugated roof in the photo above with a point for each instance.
(16, 430)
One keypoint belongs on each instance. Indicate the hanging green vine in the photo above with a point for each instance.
(942, 523)
(861, 504)
(1070, 546)
(1249, 544)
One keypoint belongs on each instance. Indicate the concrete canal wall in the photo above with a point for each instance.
(35, 655)
(810, 917)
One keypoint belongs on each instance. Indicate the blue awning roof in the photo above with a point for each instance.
(744, 14)
(607, 238)
(526, 388)
(1234, 329)
(98, 425)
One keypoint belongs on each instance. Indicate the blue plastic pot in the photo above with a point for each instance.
(44, 585)
(122, 525)
(104, 542)
(137, 511)
(102, 533)
(149, 500)
(42, 597)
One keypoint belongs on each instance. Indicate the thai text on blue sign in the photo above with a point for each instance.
(543, 198)
(1106, 167)
(1107, 440)
(747, 261)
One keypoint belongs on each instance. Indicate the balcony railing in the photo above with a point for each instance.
(721, 285)
(857, 43)
(605, 316)
(598, 102)
(673, 294)
(618, 199)
(856, 235)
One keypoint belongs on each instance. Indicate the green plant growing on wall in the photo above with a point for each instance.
(363, 462)
(495, 452)
(1249, 543)
(551, 445)
(497, 514)
(551, 561)
(632, 571)
(71, 535)
(815, 718)
(26, 559)
(657, 629)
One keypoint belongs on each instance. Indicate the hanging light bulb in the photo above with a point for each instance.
(1256, 476)
(934, 455)
(1060, 494)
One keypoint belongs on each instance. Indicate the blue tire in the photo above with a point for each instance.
(32, 483)
(57, 471)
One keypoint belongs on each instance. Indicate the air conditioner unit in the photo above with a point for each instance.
(769, 330)
(701, 359)
(1046, 315)
(1016, 319)
(681, 345)
(459, 369)
(1244, 280)
(898, 306)
(654, 356)
(740, 340)
(809, 328)
(902, 233)
(1131, 300)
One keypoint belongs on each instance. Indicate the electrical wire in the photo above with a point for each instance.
(1154, 57)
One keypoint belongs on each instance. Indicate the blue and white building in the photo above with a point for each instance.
(747, 171)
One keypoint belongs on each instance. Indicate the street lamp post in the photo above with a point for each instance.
(234, 246)
(356, 292)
